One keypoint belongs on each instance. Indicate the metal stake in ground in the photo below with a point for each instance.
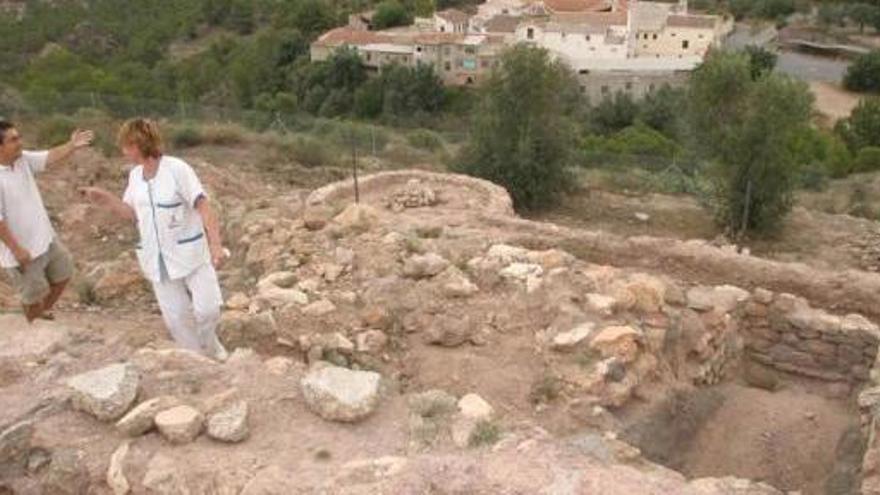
(354, 167)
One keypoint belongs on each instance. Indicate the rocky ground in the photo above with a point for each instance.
(423, 341)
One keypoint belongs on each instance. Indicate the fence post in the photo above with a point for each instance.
(745, 218)
(354, 167)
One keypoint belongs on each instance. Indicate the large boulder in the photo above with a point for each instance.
(341, 394)
(105, 393)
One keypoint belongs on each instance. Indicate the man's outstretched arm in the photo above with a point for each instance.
(79, 139)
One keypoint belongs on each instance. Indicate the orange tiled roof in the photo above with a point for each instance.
(600, 19)
(692, 21)
(502, 24)
(437, 38)
(577, 5)
(453, 15)
(348, 36)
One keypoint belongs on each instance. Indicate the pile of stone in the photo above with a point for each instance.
(414, 194)
(109, 393)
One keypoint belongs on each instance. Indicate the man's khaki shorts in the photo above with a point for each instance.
(50, 268)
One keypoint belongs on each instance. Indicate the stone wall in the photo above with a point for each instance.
(784, 332)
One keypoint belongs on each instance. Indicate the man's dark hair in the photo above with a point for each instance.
(5, 125)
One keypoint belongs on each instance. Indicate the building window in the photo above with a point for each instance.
(369, 56)
(629, 86)
(701, 36)
(651, 87)
(419, 49)
(604, 90)
(684, 45)
(583, 89)
(469, 49)
(530, 33)
(447, 66)
(645, 47)
(446, 50)
(442, 29)
(655, 36)
(672, 34)
(587, 37)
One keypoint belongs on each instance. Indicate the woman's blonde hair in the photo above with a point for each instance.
(143, 133)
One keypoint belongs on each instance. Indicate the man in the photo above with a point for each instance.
(33, 257)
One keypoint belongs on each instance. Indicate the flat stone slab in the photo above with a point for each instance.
(106, 393)
(341, 394)
(29, 342)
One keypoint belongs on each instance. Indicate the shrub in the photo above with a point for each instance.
(187, 136)
(311, 152)
(424, 139)
(862, 127)
(54, 131)
(864, 73)
(868, 159)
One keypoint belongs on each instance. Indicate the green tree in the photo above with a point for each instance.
(747, 131)
(420, 8)
(862, 127)
(863, 14)
(391, 13)
(864, 73)
(310, 17)
(661, 110)
(761, 60)
(522, 135)
(613, 114)
(831, 15)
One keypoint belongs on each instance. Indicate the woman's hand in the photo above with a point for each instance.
(94, 195)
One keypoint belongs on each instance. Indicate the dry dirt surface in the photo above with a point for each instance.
(424, 341)
(833, 101)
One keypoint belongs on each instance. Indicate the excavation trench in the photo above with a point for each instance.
(785, 414)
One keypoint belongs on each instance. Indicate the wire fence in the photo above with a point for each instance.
(369, 137)
(346, 137)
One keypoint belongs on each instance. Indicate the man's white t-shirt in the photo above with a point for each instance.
(22, 208)
(172, 237)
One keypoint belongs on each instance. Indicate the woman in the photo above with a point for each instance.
(180, 242)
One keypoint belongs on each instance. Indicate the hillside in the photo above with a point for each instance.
(577, 345)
